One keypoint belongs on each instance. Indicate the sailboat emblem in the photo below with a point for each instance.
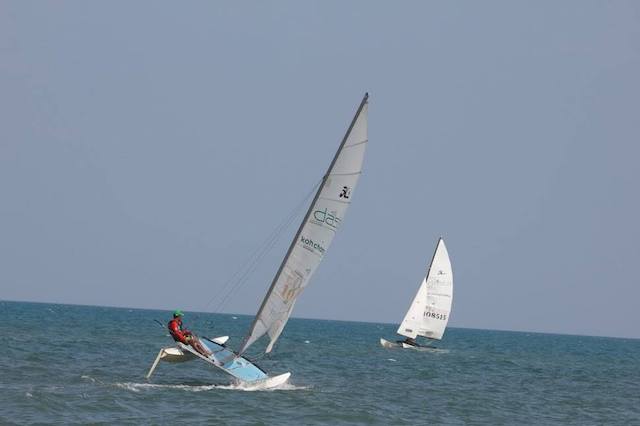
(346, 192)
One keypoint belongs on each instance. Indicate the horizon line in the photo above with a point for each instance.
(315, 319)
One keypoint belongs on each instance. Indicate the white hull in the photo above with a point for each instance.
(220, 340)
(392, 345)
(175, 354)
(387, 344)
(269, 383)
(422, 348)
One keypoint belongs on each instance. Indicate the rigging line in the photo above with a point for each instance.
(249, 271)
(256, 358)
(251, 262)
(346, 174)
(235, 275)
(256, 254)
(357, 143)
(250, 266)
(266, 249)
(248, 261)
(256, 262)
(334, 200)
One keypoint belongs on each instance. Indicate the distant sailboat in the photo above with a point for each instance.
(429, 312)
(313, 238)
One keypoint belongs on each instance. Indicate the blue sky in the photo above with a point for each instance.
(148, 148)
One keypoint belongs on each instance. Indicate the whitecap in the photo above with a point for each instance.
(138, 387)
(253, 388)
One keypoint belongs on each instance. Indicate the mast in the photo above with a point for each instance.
(245, 343)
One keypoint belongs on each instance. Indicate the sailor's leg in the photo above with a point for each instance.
(195, 343)
(155, 363)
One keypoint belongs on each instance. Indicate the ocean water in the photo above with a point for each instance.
(82, 364)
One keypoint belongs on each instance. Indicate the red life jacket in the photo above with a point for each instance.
(176, 331)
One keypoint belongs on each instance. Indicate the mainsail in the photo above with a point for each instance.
(315, 234)
(430, 309)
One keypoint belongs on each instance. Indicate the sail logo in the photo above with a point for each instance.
(309, 244)
(292, 286)
(346, 192)
(326, 217)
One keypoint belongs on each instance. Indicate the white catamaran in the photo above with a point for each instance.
(313, 238)
(429, 312)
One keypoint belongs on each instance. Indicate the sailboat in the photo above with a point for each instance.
(308, 247)
(429, 312)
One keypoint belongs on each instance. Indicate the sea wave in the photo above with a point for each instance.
(138, 387)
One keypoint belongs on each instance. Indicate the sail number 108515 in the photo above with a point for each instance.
(435, 315)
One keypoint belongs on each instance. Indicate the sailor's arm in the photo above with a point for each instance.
(177, 333)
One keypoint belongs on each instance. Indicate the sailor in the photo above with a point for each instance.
(410, 341)
(182, 335)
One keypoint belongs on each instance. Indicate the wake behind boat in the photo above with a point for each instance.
(310, 243)
(429, 312)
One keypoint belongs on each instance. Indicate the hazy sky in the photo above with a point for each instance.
(147, 148)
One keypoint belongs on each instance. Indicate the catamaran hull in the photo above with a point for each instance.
(248, 375)
(387, 344)
(175, 354)
(402, 345)
(423, 348)
(268, 383)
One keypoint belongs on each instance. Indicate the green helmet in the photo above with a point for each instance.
(177, 313)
